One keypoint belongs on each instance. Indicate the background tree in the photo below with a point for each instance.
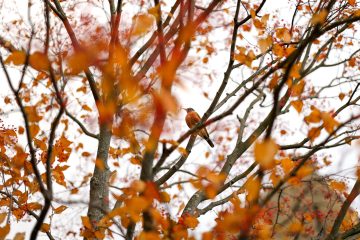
(91, 118)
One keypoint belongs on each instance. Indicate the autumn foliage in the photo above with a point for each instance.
(93, 141)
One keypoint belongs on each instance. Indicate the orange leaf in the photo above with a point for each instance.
(86, 222)
(298, 89)
(352, 2)
(314, 117)
(265, 152)
(60, 209)
(4, 231)
(295, 227)
(304, 171)
(34, 130)
(143, 23)
(86, 108)
(191, 222)
(338, 186)
(283, 34)
(39, 61)
(298, 105)
(265, 43)
(7, 100)
(45, 227)
(16, 57)
(149, 236)
(19, 236)
(86, 154)
(319, 18)
(40, 144)
(164, 197)
(341, 96)
(252, 187)
(329, 122)
(32, 114)
(314, 133)
(3, 217)
(274, 178)
(287, 165)
(21, 130)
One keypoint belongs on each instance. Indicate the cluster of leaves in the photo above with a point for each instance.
(115, 86)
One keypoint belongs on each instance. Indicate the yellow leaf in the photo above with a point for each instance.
(143, 23)
(298, 105)
(16, 57)
(265, 152)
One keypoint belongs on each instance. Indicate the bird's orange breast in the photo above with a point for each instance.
(192, 118)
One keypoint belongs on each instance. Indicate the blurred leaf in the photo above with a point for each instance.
(314, 133)
(338, 186)
(143, 23)
(39, 61)
(283, 34)
(329, 122)
(19, 236)
(252, 186)
(16, 57)
(3, 217)
(265, 152)
(265, 43)
(319, 18)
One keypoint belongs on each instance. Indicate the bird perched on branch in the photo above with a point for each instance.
(192, 118)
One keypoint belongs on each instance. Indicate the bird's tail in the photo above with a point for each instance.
(207, 139)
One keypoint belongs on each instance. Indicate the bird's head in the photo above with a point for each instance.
(189, 109)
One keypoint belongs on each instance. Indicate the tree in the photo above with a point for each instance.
(110, 74)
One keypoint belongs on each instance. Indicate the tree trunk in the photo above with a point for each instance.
(99, 188)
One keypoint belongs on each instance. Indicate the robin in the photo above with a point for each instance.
(192, 118)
